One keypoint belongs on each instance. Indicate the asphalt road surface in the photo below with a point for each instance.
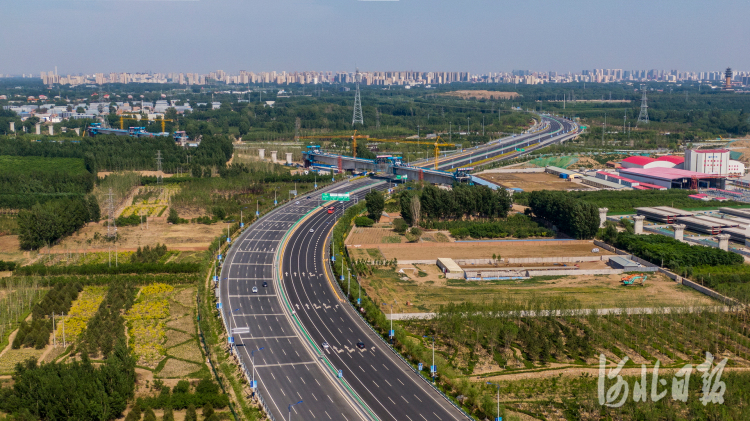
(285, 370)
(388, 385)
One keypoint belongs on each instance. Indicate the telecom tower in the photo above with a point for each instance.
(643, 116)
(357, 118)
(111, 228)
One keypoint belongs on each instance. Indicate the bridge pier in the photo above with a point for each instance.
(273, 156)
(262, 154)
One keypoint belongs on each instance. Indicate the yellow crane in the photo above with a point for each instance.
(138, 118)
(437, 144)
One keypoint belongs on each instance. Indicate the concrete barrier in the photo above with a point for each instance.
(708, 291)
(531, 273)
(574, 259)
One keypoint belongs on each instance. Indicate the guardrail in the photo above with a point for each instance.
(301, 329)
(382, 340)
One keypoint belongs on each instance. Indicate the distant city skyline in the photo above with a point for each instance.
(527, 77)
(475, 36)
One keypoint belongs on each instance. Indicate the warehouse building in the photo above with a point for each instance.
(673, 178)
(713, 161)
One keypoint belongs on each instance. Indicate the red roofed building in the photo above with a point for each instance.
(644, 162)
(677, 161)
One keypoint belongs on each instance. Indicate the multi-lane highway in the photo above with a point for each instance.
(552, 128)
(285, 369)
(391, 389)
(291, 319)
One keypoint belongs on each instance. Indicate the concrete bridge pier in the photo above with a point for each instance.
(679, 232)
(273, 156)
(639, 224)
(723, 241)
(262, 153)
(602, 216)
(289, 158)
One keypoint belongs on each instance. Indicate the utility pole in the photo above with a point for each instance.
(643, 116)
(111, 228)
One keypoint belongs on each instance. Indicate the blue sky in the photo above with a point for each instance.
(91, 36)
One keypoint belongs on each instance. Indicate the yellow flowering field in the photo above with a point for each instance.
(146, 319)
(83, 309)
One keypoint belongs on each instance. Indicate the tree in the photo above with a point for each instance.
(399, 225)
(363, 221)
(375, 203)
(190, 414)
(415, 207)
(168, 415)
(173, 217)
(405, 205)
(149, 415)
(208, 410)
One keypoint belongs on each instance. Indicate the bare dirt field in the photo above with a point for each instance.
(369, 235)
(481, 94)
(742, 146)
(182, 237)
(427, 292)
(485, 249)
(531, 181)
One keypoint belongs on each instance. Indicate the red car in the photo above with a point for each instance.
(331, 209)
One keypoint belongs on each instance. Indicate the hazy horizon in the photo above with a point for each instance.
(102, 36)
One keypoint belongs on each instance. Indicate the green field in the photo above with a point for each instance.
(38, 165)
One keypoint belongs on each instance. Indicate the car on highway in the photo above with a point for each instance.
(331, 209)
(361, 345)
(312, 230)
(325, 345)
(255, 290)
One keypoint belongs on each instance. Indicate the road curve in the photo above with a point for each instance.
(389, 387)
(286, 371)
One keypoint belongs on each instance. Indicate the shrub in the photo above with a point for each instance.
(399, 225)
(363, 221)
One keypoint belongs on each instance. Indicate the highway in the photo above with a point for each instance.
(555, 126)
(286, 371)
(391, 389)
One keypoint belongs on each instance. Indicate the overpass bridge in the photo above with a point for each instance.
(552, 130)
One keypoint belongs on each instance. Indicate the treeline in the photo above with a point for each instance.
(28, 175)
(574, 217)
(46, 223)
(104, 280)
(518, 226)
(625, 201)
(7, 265)
(106, 269)
(149, 254)
(120, 153)
(107, 326)
(676, 255)
(71, 391)
(460, 202)
(180, 396)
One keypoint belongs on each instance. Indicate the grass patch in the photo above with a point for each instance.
(392, 239)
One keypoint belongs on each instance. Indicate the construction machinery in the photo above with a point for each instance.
(438, 143)
(138, 117)
(634, 279)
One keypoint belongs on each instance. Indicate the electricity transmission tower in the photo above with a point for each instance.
(159, 180)
(111, 228)
(297, 124)
(643, 116)
(357, 117)
(377, 119)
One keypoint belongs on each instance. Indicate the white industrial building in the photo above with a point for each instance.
(713, 161)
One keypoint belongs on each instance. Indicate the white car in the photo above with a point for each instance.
(312, 230)
(255, 290)
(325, 345)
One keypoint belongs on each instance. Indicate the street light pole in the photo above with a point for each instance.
(498, 399)
(289, 418)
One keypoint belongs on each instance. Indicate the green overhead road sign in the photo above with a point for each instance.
(402, 177)
(343, 197)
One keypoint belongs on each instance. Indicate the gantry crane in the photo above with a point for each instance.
(437, 144)
(122, 120)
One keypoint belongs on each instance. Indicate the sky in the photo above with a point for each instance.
(479, 36)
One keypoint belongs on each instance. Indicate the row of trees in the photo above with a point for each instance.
(72, 391)
(46, 223)
(107, 327)
(432, 203)
(666, 251)
(576, 218)
(518, 226)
